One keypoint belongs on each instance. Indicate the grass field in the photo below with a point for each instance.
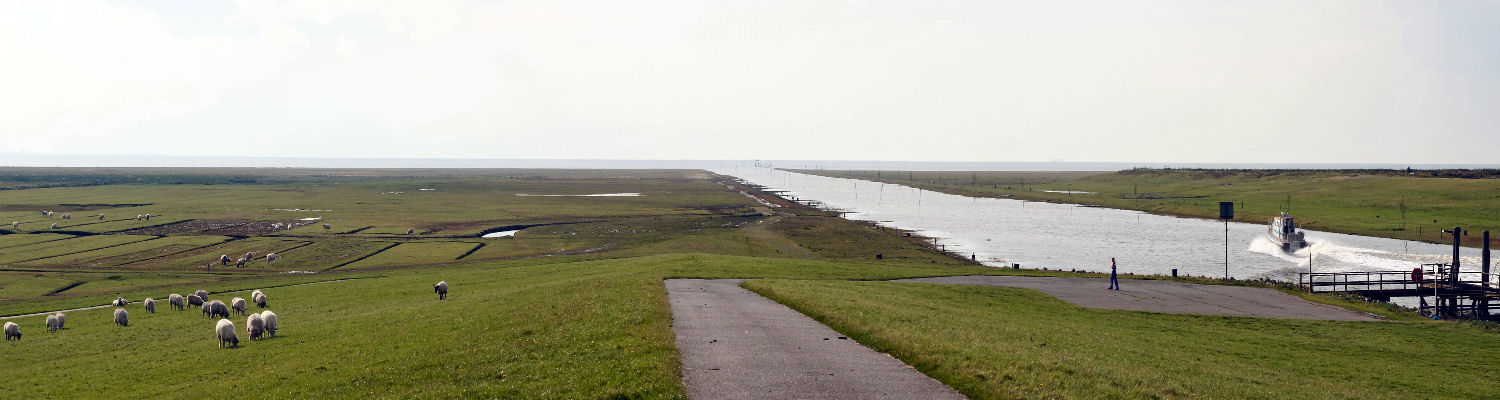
(1017, 343)
(1357, 202)
(573, 306)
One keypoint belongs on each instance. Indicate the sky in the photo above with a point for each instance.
(1090, 81)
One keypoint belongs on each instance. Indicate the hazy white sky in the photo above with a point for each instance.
(1165, 81)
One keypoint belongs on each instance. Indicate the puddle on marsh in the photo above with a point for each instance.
(501, 234)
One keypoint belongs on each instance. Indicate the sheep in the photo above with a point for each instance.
(216, 308)
(67, 216)
(122, 317)
(119, 302)
(137, 217)
(224, 330)
(241, 262)
(15, 225)
(255, 326)
(410, 230)
(327, 227)
(202, 294)
(54, 225)
(224, 259)
(204, 309)
(194, 300)
(270, 258)
(259, 299)
(441, 288)
(52, 323)
(255, 293)
(270, 319)
(238, 304)
(101, 217)
(148, 217)
(250, 255)
(176, 301)
(150, 305)
(12, 331)
(61, 319)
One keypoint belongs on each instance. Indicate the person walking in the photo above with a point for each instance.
(1114, 279)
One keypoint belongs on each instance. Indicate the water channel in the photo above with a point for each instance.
(1002, 232)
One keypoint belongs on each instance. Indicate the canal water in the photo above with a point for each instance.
(1002, 232)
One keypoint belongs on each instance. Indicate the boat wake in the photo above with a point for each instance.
(1328, 255)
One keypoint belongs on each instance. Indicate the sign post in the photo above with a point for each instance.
(1226, 213)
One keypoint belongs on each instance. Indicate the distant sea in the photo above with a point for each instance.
(30, 160)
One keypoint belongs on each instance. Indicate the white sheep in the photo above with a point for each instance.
(270, 258)
(119, 302)
(270, 319)
(441, 288)
(327, 227)
(52, 323)
(148, 217)
(15, 225)
(61, 319)
(217, 309)
(101, 216)
(67, 216)
(122, 317)
(256, 292)
(202, 294)
(255, 326)
(410, 230)
(54, 225)
(176, 301)
(241, 262)
(224, 330)
(237, 304)
(194, 300)
(150, 305)
(259, 299)
(250, 255)
(137, 217)
(12, 331)
(224, 259)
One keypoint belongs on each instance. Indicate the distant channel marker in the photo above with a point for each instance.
(738, 345)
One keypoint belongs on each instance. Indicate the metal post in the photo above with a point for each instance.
(1226, 249)
(1457, 236)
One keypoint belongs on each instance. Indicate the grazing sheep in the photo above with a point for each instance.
(250, 256)
(224, 330)
(410, 230)
(101, 216)
(255, 326)
(194, 300)
(441, 288)
(150, 305)
(270, 319)
(122, 317)
(148, 217)
(327, 227)
(238, 304)
(52, 323)
(175, 300)
(204, 309)
(241, 262)
(119, 302)
(54, 225)
(137, 217)
(12, 331)
(224, 259)
(15, 225)
(67, 216)
(217, 309)
(61, 319)
(259, 299)
(202, 294)
(255, 293)
(270, 258)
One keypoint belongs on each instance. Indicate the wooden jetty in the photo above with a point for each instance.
(1455, 293)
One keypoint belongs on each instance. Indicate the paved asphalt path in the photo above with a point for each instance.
(1166, 297)
(738, 345)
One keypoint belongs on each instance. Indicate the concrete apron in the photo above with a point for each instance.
(738, 345)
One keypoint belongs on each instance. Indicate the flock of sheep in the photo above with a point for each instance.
(256, 324)
(48, 214)
(224, 259)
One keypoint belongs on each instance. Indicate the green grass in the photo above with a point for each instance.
(1363, 203)
(593, 329)
(415, 253)
(1016, 343)
(128, 252)
(13, 240)
(68, 246)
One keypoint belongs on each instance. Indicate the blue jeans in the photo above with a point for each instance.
(1114, 282)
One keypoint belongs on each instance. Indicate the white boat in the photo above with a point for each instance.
(1283, 232)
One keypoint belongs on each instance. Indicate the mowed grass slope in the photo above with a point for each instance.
(1017, 343)
(592, 329)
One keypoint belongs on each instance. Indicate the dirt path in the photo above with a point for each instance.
(738, 345)
(1166, 297)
